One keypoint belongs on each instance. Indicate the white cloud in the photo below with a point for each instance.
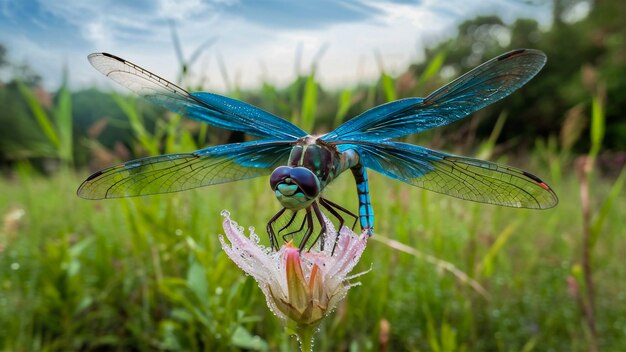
(180, 10)
(96, 32)
(141, 33)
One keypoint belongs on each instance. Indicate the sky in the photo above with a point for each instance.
(255, 40)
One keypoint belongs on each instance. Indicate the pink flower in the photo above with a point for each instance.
(300, 287)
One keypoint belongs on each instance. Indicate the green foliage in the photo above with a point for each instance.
(594, 44)
(63, 116)
(345, 102)
(55, 126)
(389, 87)
(146, 141)
(148, 273)
(609, 202)
(489, 259)
(433, 67)
(309, 103)
(42, 118)
(597, 126)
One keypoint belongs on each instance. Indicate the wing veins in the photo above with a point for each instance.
(482, 178)
(145, 174)
(484, 85)
(465, 92)
(209, 108)
(177, 172)
(464, 178)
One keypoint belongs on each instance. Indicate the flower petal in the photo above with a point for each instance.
(246, 253)
(347, 253)
(296, 283)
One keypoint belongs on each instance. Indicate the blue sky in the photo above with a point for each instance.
(256, 40)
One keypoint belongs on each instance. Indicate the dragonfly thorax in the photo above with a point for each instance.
(320, 158)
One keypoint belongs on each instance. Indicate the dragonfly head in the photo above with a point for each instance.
(295, 187)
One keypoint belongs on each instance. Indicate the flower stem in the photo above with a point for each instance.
(305, 337)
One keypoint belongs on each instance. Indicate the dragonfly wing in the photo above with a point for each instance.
(461, 177)
(210, 108)
(177, 172)
(484, 85)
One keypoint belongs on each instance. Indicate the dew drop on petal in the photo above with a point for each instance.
(225, 213)
(273, 311)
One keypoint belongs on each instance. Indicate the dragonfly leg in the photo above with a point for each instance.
(293, 216)
(331, 206)
(323, 229)
(296, 231)
(270, 229)
(309, 230)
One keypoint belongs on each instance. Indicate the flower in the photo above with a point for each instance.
(301, 288)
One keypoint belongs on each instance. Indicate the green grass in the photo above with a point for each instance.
(148, 273)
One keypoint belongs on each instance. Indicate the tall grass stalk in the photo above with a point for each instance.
(183, 62)
(57, 124)
(439, 263)
(129, 106)
(386, 81)
(433, 68)
(345, 102)
(309, 103)
(584, 168)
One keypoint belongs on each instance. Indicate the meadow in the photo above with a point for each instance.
(149, 273)
(443, 274)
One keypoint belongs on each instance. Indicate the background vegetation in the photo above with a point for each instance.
(447, 275)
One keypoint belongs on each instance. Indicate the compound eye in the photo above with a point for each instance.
(279, 175)
(306, 180)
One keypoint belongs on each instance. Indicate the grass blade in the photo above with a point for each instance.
(389, 87)
(309, 103)
(434, 66)
(486, 148)
(607, 205)
(597, 125)
(440, 263)
(63, 118)
(487, 264)
(129, 108)
(42, 118)
(345, 102)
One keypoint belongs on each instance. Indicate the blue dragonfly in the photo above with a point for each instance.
(301, 165)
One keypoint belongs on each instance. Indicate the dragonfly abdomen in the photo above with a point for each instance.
(366, 212)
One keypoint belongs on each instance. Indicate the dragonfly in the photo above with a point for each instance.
(300, 165)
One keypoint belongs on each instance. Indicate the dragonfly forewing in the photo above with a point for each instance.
(484, 85)
(209, 108)
(178, 172)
